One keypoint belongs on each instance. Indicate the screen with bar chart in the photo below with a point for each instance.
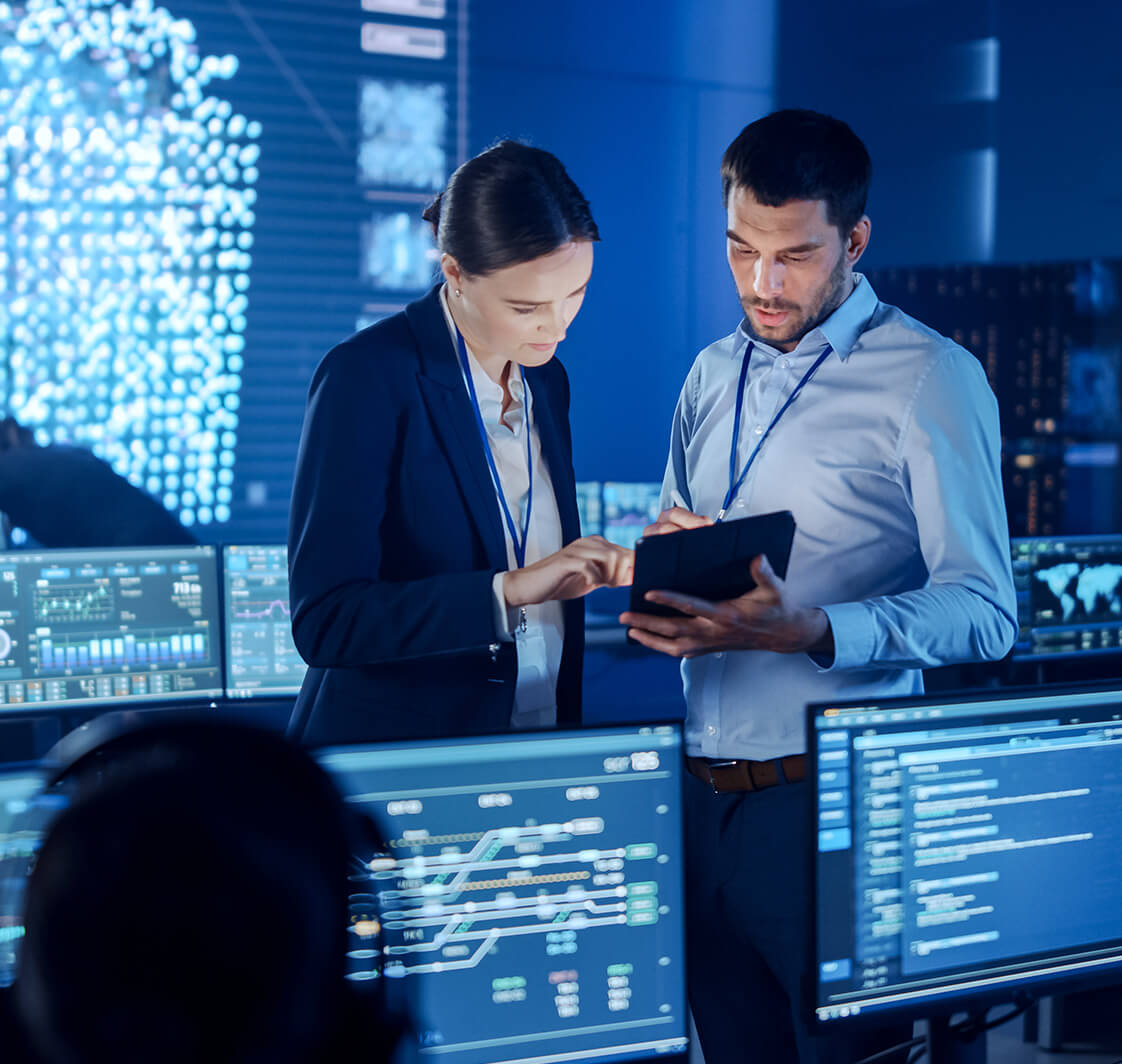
(261, 659)
(108, 626)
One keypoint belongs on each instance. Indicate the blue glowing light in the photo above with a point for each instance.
(125, 214)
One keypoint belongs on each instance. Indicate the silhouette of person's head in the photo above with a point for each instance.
(190, 904)
(13, 435)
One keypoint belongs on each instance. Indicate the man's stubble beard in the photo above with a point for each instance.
(835, 292)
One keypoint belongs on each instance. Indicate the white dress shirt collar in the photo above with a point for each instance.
(841, 330)
(489, 392)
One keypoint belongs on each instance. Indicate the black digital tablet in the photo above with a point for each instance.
(711, 562)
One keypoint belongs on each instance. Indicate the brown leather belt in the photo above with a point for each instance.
(725, 776)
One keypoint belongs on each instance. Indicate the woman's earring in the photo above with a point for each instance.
(458, 293)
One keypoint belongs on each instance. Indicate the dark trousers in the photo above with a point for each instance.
(747, 927)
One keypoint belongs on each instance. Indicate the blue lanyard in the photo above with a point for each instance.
(734, 480)
(519, 544)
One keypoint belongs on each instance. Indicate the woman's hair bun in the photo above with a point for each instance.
(431, 213)
(510, 204)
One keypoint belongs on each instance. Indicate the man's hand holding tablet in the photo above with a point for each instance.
(757, 614)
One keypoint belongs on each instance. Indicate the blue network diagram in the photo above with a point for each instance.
(529, 903)
(126, 231)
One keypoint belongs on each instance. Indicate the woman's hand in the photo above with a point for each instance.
(575, 570)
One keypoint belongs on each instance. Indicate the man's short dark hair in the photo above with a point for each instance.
(801, 155)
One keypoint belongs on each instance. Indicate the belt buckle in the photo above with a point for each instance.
(719, 764)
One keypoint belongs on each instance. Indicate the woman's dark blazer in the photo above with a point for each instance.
(395, 536)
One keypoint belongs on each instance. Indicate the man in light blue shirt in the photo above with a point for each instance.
(881, 437)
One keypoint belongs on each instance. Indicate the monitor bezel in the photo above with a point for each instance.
(947, 1002)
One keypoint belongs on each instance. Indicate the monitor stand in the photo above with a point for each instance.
(944, 1048)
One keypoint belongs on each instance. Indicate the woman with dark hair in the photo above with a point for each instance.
(434, 544)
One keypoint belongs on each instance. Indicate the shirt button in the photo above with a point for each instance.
(786, 363)
(710, 730)
(720, 654)
(759, 430)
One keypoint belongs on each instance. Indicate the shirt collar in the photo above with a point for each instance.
(841, 330)
(488, 392)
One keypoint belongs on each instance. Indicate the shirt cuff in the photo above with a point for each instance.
(854, 637)
(505, 617)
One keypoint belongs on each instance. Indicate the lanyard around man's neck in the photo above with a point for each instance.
(734, 480)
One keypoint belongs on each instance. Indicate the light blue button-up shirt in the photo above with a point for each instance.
(890, 461)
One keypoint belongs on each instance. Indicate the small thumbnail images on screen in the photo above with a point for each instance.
(402, 127)
(409, 42)
(398, 253)
(411, 8)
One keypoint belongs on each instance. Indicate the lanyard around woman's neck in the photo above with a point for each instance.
(519, 543)
(734, 480)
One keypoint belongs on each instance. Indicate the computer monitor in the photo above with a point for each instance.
(261, 659)
(1069, 596)
(628, 508)
(969, 850)
(25, 812)
(533, 893)
(81, 628)
(589, 508)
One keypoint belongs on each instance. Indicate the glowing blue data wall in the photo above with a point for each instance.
(196, 201)
(199, 199)
(126, 228)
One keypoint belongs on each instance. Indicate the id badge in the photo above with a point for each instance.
(535, 688)
(533, 660)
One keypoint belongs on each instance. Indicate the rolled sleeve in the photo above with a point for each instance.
(949, 461)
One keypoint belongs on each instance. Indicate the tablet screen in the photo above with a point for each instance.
(711, 562)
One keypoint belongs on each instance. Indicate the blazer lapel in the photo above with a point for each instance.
(556, 454)
(446, 398)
